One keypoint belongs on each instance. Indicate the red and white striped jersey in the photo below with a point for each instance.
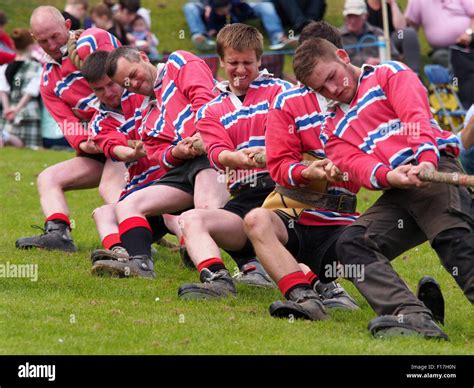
(226, 123)
(387, 124)
(111, 128)
(294, 126)
(65, 92)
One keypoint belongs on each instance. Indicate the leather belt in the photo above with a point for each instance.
(343, 203)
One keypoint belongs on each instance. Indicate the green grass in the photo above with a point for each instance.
(68, 311)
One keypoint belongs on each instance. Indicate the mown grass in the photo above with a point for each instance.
(68, 311)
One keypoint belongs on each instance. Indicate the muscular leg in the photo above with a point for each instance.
(105, 220)
(74, 174)
(206, 230)
(112, 181)
(268, 235)
(210, 192)
(153, 200)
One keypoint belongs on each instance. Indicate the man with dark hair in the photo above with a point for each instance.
(75, 11)
(117, 123)
(287, 233)
(322, 30)
(382, 134)
(176, 90)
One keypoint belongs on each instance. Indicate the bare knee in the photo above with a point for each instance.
(107, 194)
(191, 221)
(47, 179)
(257, 223)
(103, 212)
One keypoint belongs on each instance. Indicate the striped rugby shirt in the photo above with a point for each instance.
(65, 92)
(387, 124)
(183, 85)
(226, 123)
(294, 125)
(111, 128)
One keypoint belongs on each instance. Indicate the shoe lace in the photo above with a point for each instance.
(40, 228)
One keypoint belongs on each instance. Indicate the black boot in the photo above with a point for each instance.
(302, 303)
(403, 325)
(429, 292)
(334, 296)
(136, 266)
(56, 236)
(214, 285)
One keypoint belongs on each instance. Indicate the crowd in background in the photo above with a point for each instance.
(448, 27)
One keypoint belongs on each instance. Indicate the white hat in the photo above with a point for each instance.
(354, 7)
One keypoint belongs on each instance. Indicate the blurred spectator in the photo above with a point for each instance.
(7, 48)
(207, 17)
(103, 18)
(445, 23)
(127, 10)
(404, 38)
(75, 11)
(467, 141)
(144, 39)
(296, 14)
(356, 30)
(51, 133)
(448, 27)
(19, 90)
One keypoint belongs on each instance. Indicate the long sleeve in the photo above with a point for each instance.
(409, 100)
(283, 150)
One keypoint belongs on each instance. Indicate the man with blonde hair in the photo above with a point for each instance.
(233, 128)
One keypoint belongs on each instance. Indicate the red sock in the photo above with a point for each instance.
(312, 278)
(59, 217)
(213, 264)
(292, 280)
(111, 240)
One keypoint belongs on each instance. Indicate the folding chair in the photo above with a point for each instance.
(445, 104)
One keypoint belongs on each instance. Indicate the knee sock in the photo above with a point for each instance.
(136, 236)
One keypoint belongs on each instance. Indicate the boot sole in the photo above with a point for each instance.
(103, 270)
(429, 292)
(103, 256)
(30, 246)
(388, 330)
(198, 294)
(280, 309)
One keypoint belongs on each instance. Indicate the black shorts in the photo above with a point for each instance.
(158, 227)
(245, 201)
(101, 158)
(183, 177)
(241, 204)
(314, 246)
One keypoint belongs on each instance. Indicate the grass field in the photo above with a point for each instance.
(67, 311)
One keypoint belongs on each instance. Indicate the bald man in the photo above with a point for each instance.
(72, 103)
